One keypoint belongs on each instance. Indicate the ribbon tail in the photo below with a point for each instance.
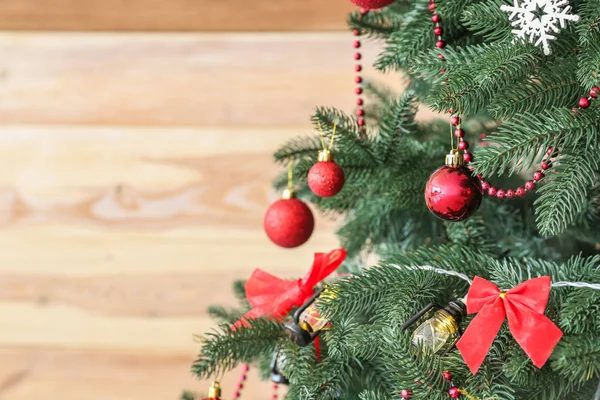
(324, 265)
(479, 336)
(536, 334)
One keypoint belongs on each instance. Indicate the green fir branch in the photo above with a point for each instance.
(413, 37)
(224, 349)
(580, 310)
(451, 9)
(408, 365)
(521, 140)
(486, 19)
(398, 120)
(589, 62)
(589, 21)
(224, 315)
(552, 87)
(375, 25)
(565, 193)
(187, 396)
(487, 70)
(576, 357)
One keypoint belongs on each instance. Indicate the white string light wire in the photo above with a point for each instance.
(587, 285)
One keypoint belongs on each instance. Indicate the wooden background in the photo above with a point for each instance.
(135, 148)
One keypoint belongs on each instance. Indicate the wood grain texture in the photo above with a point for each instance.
(177, 80)
(115, 241)
(68, 374)
(135, 173)
(174, 15)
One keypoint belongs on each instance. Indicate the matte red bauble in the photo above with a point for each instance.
(326, 178)
(289, 222)
(452, 192)
(372, 4)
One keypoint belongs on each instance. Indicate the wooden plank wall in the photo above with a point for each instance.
(135, 174)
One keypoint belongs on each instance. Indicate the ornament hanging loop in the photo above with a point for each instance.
(325, 155)
(288, 192)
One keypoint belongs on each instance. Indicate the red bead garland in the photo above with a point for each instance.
(240, 385)
(360, 112)
(463, 145)
(454, 392)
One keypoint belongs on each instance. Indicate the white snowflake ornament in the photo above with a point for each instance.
(537, 20)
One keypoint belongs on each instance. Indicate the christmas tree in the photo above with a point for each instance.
(509, 229)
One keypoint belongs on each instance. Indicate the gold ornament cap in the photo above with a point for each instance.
(454, 159)
(288, 193)
(214, 392)
(325, 155)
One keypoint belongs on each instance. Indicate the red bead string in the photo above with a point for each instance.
(240, 385)
(454, 392)
(463, 145)
(360, 111)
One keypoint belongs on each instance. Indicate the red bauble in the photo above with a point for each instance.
(289, 222)
(372, 4)
(454, 392)
(453, 193)
(326, 178)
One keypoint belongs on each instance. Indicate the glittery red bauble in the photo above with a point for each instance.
(289, 223)
(453, 194)
(326, 178)
(371, 4)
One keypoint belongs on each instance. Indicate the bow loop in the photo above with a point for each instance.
(274, 297)
(323, 265)
(523, 306)
(533, 293)
(482, 292)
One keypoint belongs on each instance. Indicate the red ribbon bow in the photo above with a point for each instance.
(523, 306)
(275, 297)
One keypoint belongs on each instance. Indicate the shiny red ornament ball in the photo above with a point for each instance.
(326, 178)
(372, 4)
(453, 194)
(289, 222)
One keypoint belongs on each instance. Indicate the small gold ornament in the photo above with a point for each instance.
(214, 392)
(433, 334)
